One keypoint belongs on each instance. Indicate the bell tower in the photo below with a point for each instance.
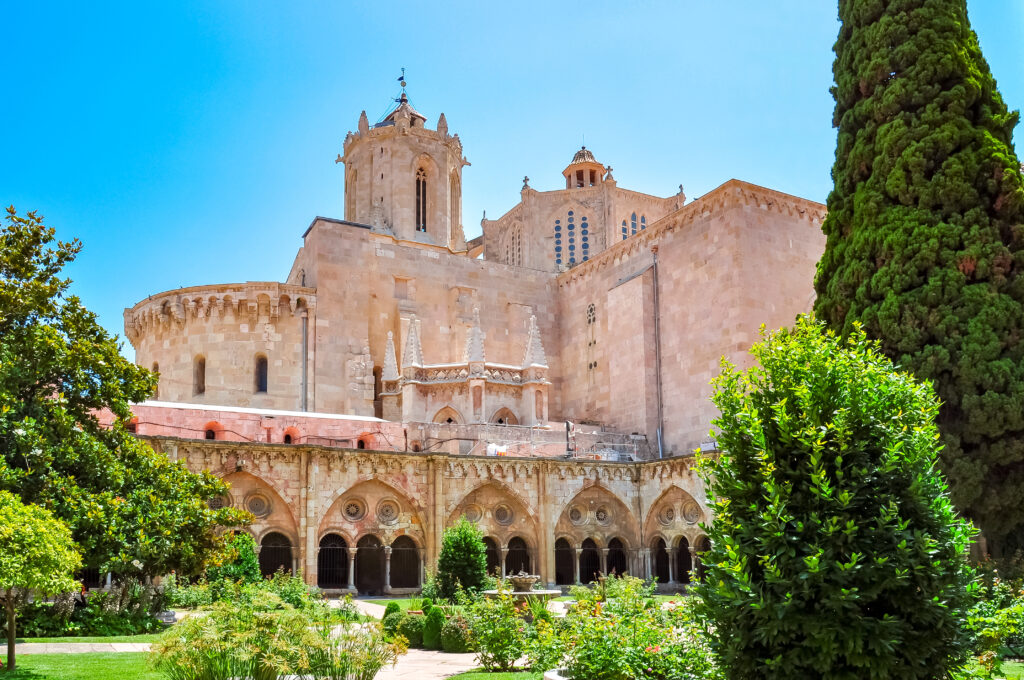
(404, 179)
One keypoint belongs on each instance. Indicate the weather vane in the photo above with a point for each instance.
(401, 81)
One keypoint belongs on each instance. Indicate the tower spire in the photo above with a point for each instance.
(413, 349)
(475, 340)
(390, 370)
(534, 347)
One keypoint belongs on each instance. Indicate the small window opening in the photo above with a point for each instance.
(199, 376)
(450, 421)
(287, 439)
(360, 444)
(210, 434)
(261, 373)
(421, 200)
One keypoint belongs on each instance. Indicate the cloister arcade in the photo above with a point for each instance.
(371, 538)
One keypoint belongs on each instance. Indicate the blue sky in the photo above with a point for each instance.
(193, 142)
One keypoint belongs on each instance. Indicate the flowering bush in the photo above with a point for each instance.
(622, 633)
(456, 636)
(498, 631)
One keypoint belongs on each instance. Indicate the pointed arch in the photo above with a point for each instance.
(597, 513)
(504, 416)
(271, 510)
(368, 507)
(448, 415)
(668, 514)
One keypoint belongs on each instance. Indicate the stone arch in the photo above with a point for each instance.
(369, 576)
(332, 561)
(405, 563)
(447, 413)
(668, 514)
(618, 560)
(684, 561)
(499, 511)
(272, 512)
(590, 560)
(504, 416)
(565, 558)
(373, 506)
(276, 553)
(597, 513)
(517, 557)
(493, 553)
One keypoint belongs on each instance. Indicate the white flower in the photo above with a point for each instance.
(137, 564)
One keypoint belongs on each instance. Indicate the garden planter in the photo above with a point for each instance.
(522, 584)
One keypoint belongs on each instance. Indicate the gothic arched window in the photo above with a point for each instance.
(514, 247)
(261, 373)
(632, 224)
(625, 230)
(643, 222)
(421, 200)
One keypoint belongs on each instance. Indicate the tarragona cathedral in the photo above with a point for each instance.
(547, 380)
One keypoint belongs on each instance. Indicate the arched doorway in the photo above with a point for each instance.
(518, 557)
(590, 562)
(616, 558)
(564, 557)
(684, 564)
(369, 566)
(405, 563)
(275, 554)
(332, 562)
(493, 556)
(660, 561)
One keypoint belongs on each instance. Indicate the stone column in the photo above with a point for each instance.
(693, 563)
(604, 561)
(504, 554)
(387, 569)
(576, 565)
(647, 567)
(423, 557)
(672, 566)
(352, 568)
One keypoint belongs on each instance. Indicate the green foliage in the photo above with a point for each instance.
(498, 632)
(393, 621)
(129, 608)
(238, 560)
(463, 559)
(425, 604)
(411, 628)
(129, 509)
(36, 554)
(456, 636)
(835, 552)
(281, 589)
(392, 608)
(432, 625)
(239, 641)
(924, 231)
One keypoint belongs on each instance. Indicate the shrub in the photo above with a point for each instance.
(834, 551)
(498, 632)
(425, 604)
(456, 636)
(411, 628)
(432, 625)
(129, 608)
(239, 561)
(392, 608)
(463, 559)
(393, 621)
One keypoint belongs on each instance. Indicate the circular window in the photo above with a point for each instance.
(219, 502)
(258, 504)
(387, 512)
(667, 515)
(602, 515)
(577, 515)
(474, 513)
(503, 514)
(354, 509)
(691, 512)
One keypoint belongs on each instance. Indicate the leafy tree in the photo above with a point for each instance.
(463, 559)
(130, 509)
(835, 552)
(925, 230)
(36, 553)
(239, 561)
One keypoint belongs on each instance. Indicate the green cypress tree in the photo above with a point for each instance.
(924, 235)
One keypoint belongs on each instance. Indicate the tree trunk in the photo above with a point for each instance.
(10, 629)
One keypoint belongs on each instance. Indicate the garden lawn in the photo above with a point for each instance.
(481, 675)
(145, 637)
(81, 667)
(405, 603)
(1014, 670)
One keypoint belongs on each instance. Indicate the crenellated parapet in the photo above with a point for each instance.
(243, 303)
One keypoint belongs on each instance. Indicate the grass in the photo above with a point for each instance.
(481, 675)
(145, 637)
(81, 667)
(406, 603)
(1014, 670)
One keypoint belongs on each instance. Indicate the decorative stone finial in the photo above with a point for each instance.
(526, 182)
(413, 355)
(364, 122)
(442, 125)
(475, 340)
(608, 173)
(534, 347)
(390, 370)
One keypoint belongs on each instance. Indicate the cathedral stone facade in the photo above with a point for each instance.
(547, 379)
